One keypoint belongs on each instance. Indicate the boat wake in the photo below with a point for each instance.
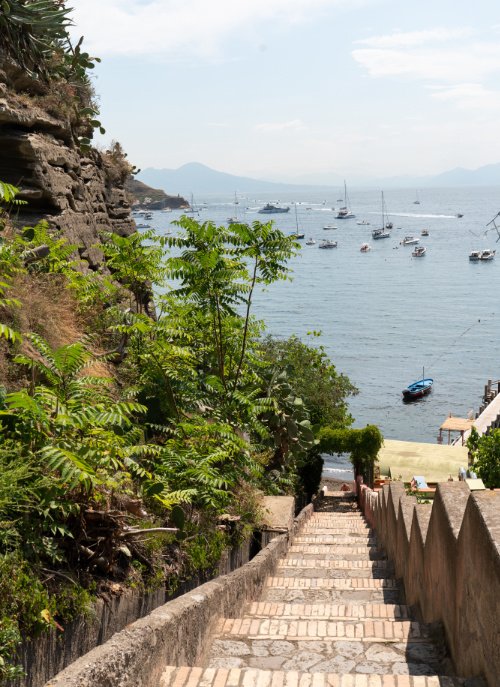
(414, 214)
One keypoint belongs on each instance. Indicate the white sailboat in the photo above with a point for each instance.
(345, 211)
(383, 232)
(417, 200)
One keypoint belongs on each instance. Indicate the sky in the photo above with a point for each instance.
(296, 90)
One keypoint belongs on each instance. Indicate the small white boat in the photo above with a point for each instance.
(329, 227)
(310, 242)
(365, 247)
(475, 256)
(425, 232)
(327, 244)
(487, 254)
(363, 222)
(142, 226)
(167, 210)
(410, 240)
(419, 252)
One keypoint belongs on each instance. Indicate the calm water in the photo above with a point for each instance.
(385, 315)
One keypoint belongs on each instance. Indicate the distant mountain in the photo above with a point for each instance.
(197, 179)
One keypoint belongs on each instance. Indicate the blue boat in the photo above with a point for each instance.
(418, 389)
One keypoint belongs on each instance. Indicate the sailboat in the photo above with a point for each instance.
(416, 201)
(234, 218)
(192, 209)
(345, 212)
(383, 232)
(297, 234)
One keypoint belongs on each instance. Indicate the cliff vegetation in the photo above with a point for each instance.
(135, 437)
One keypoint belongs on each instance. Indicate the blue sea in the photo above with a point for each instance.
(385, 316)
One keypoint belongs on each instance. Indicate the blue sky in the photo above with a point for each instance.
(282, 89)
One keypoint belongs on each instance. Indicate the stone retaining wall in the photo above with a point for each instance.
(448, 556)
(175, 633)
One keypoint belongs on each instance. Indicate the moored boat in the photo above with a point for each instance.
(326, 243)
(270, 209)
(475, 256)
(365, 247)
(310, 242)
(487, 254)
(329, 227)
(410, 240)
(419, 251)
(345, 212)
(418, 389)
(425, 232)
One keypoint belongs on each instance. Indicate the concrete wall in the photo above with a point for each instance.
(448, 556)
(175, 633)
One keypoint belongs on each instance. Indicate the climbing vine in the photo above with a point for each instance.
(362, 444)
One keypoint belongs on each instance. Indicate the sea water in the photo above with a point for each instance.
(384, 316)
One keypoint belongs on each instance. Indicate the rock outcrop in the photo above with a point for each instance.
(146, 197)
(79, 194)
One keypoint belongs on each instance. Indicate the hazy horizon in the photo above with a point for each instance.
(277, 89)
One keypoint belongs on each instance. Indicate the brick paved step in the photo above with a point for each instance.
(322, 611)
(363, 629)
(250, 677)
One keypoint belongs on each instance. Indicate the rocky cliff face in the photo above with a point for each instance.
(80, 195)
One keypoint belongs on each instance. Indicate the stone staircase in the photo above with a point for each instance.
(332, 616)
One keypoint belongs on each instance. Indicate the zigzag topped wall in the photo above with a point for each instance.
(448, 556)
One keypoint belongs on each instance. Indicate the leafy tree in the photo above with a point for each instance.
(485, 453)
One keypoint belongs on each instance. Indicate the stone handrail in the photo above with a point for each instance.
(175, 633)
(448, 555)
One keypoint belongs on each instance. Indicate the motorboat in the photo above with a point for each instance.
(310, 242)
(418, 389)
(459, 215)
(410, 240)
(329, 227)
(270, 209)
(475, 256)
(425, 232)
(326, 243)
(365, 247)
(142, 226)
(363, 222)
(419, 251)
(487, 254)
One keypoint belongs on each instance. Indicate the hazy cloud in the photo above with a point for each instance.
(174, 28)
(406, 39)
(470, 96)
(275, 127)
(415, 55)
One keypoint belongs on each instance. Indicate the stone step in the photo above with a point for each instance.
(333, 573)
(323, 611)
(331, 595)
(329, 655)
(306, 563)
(322, 583)
(314, 567)
(338, 551)
(334, 539)
(336, 531)
(363, 629)
(251, 677)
